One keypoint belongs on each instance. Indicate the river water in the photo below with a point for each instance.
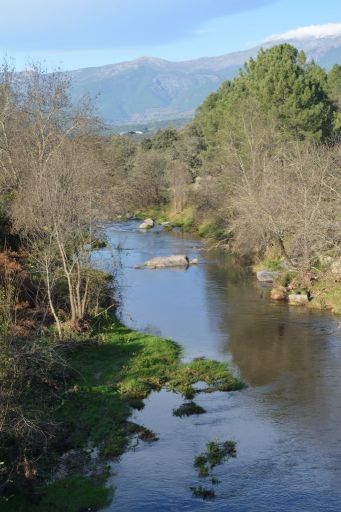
(287, 423)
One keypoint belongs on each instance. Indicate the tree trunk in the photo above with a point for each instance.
(283, 250)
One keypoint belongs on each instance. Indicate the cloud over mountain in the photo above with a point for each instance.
(311, 31)
(149, 89)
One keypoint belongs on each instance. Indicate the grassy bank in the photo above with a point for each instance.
(111, 373)
(185, 221)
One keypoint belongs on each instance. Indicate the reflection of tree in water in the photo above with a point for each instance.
(271, 343)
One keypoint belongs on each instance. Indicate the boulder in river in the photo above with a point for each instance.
(264, 276)
(178, 260)
(147, 224)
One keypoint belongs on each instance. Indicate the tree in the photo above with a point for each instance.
(56, 211)
(121, 153)
(145, 183)
(293, 201)
(178, 179)
(293, 92)
(285, 88)
(334, 90)
(57, 194)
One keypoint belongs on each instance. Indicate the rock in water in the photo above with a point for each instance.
(297, 299)
(167, 261)
(279, 293)
(264, 276)
(147, 224)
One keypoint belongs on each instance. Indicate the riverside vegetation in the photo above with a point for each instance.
(70, 374)
(216, 454)
(257, 170)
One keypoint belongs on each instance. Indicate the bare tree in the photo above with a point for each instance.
(178, 179)
(51, 160)
(292, 201)
(57, 211)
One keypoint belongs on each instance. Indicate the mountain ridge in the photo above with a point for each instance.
(149, 89)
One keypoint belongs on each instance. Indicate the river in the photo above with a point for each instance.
(286, 423)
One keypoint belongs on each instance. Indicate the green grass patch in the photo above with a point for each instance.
(73, 494)
(188, 409)
(270, 264)
(158, 213)
(216, 453)
(203, 492)
(211, 230)
(183, 220)
(142, 432)
(122, 368)
(109, 374)
(215, 374)
(326, 295)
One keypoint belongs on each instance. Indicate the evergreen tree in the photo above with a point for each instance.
(283, 86)
(334, 90)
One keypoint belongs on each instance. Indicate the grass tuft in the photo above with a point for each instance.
(188, 409)
(215, 454)
(203, 492)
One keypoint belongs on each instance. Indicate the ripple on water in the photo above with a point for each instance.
(286, 423)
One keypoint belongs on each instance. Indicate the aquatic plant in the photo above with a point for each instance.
(188, 408)
(203, 492)
(216, 453)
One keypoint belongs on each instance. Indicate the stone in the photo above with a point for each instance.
(298, 299)
(335, 267)
(279, 293)
(194, 261)
(264, 276)
(167, 261)
(325, 259)
(147, 224)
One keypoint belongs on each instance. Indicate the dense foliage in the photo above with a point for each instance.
(282, 86)
(259, 165)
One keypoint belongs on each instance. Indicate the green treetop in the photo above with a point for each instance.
(283, 86)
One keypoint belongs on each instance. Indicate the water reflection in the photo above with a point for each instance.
(286, 423)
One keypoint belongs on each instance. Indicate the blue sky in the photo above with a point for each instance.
(80, 33)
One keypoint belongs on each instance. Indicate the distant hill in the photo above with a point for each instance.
(151, 90)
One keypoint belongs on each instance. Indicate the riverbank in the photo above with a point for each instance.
(288, 356)
(183, 221)
(113, 372)
(317, 288)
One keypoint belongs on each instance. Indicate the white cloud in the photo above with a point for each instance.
(315, 31)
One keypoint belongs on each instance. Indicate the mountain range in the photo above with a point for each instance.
(153, 90)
